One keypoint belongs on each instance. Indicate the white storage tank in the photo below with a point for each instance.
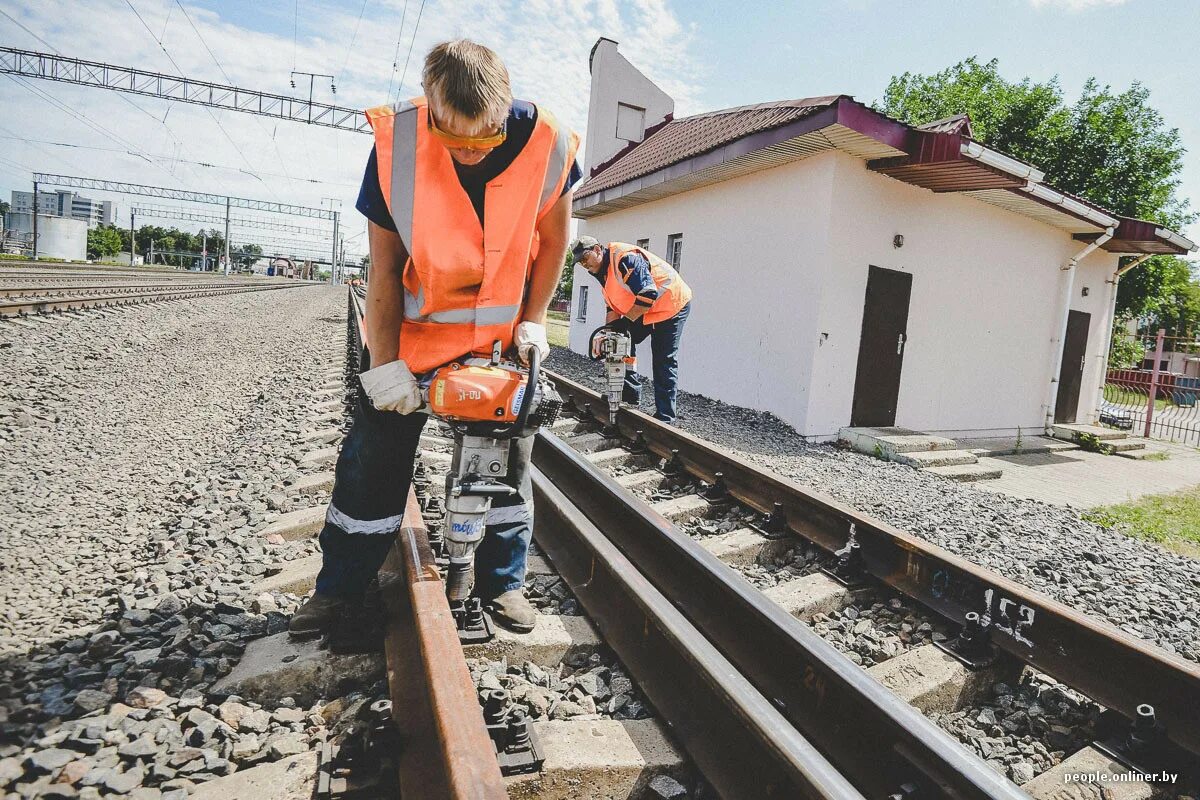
(58, 237)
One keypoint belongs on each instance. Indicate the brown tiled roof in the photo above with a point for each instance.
(959, 123)
(681, 139)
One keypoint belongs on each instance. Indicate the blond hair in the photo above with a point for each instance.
(469, 79)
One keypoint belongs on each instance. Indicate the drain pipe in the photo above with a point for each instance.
(1110, 309)
(1069, 268)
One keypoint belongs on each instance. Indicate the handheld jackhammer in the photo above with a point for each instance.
(487, 404)
(615, 348)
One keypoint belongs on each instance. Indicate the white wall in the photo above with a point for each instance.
(754, 248)
(778, 262)
(615, 80)
(58, 237)
(983, 312)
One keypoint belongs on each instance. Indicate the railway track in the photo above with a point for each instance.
(24, 300)
(761, 704)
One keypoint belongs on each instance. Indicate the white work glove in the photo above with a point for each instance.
(529, 335)
(392, 387)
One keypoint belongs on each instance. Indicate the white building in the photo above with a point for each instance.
(62, 203)
(849, 269)
(58, 237)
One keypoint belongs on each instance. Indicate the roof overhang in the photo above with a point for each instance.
(949, 162)
(1140, 237)
(845, 125)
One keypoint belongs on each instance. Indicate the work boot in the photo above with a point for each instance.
(313, 618)
(513, 611)
(357, 625)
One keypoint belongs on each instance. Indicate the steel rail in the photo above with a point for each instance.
(1115, 669)
(736, 737)
(866, 731)
(446, 752)
(19, 308)
(17, 291)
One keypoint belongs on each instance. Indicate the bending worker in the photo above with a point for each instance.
(468, 197)
(645, 297)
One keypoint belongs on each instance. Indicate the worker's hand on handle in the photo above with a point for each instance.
(392, 387)
(529, 335)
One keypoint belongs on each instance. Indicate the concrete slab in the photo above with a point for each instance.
(539, 565)
(435, 459)
(316, 483)
(550, 642)
(276, 666)
(322, 436)
(600, 759)
(610, 457)
(813, 594)
(1013, 445)
(967, 472)
(637, 480)
(293, 778)
(922, 459)
(325, 394)
(302, 523)
(929, 679)
(298, 577)
(1068, 431)
(745, 546)
(433, 440)
(1126, 445)
(566, 426)
(591, 442)
(1085, 480)
(689, 506)
(891, 441)
(329, 405)
(334, 384)
(1105, 780)
(322, 420)
(317, 458)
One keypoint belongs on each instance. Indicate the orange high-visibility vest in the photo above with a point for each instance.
(673, 293)
(464, 284)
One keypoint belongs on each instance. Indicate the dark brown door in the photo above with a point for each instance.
(881, 348)
(1070, 377)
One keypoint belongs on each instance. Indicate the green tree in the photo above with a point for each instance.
(103, 241)
(1111, 148)
(567, 281)
(4, 208)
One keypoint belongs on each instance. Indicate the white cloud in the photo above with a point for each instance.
(545, 44)
(1076, 5)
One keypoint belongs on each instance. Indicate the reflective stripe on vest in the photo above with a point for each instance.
(464, 285)
(673, 292)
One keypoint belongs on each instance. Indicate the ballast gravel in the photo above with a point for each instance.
(1136, 586)
(144, 451)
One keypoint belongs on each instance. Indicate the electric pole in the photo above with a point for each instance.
(312, 76)
(226, 235)
(35, 225)
(132, 248)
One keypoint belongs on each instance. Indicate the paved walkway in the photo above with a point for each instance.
(1083, 480)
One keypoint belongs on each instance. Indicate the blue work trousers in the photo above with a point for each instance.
(665, 338)
(370, 491)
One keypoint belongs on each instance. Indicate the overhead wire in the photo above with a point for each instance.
(180, 71)
(217, 61)
(411, 42)
(124, 97)
(396, 54)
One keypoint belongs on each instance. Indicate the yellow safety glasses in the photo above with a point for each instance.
(466, 142)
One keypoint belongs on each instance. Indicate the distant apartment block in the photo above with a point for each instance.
(66, 204)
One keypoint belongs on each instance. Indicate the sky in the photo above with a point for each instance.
(706, 55)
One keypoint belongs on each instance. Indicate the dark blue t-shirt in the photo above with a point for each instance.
(635, 272)
(474, 178)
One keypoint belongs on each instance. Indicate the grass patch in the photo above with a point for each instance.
(1169, 519)
(1161, 455)
(557, 330)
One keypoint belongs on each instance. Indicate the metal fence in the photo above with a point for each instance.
(1161, 399)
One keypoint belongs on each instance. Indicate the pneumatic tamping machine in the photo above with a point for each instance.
(487, 404)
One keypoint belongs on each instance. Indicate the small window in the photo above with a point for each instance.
(631, 122)
(675, 250)
(643, 243)
(581, 312)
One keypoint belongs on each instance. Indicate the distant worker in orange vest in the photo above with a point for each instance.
(463, 166)
(645, 297)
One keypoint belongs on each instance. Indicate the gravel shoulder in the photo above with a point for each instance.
(1137, 586)
(143, 453)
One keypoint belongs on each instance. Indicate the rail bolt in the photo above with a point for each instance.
(495, 707)
(719, 491)
(674, 467)
(639, 444)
